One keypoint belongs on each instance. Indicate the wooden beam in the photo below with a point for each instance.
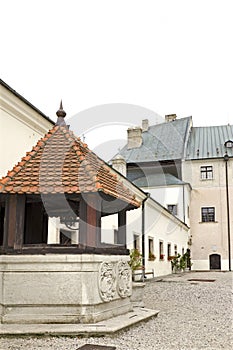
(14, 221)
(20, 219)
(90, 220)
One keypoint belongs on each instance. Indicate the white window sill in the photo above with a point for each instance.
(208, 222)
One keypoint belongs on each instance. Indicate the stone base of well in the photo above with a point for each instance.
(106, 327)
(64, 289)
(137, 294)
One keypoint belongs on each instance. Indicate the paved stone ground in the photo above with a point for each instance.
(193, 315)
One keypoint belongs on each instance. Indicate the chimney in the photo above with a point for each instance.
(134, 137)
(170, 118)
(119, 164)
(145, 125)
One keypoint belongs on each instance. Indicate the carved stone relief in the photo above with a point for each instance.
(107, 281)
(124, 279)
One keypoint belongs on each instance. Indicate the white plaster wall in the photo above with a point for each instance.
(159, 225)
(20, 129)
(108, 224)
(177, 195)
(134, 226)
(162, 227)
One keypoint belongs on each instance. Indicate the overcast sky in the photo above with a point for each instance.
(166, 56)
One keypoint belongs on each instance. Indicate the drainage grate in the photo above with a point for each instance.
(200, 280)
(96, 347)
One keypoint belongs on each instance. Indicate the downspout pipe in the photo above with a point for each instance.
(184, 204)
(226, 158)
(143, 234)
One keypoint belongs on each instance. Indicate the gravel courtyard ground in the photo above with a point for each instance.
(193, 315)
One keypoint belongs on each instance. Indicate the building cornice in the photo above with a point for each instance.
(25, 101)
(151, 201)
(26, 114)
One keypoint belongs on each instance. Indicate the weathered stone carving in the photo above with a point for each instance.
(107, 281)
(124, 279)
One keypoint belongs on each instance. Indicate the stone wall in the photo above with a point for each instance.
(82, 288)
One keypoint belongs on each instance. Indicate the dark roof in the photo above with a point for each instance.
(164, 141)
(25, 101)
(62, 163)
(154, 180)
(208, 142)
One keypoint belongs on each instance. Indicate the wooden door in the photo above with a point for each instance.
(215, 262)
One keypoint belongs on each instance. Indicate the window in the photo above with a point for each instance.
(175, 250)
(172, 208)
(169, 250)
(206, 172)
(151, 249)
(136, 243)
(161, 253)
(208, 214)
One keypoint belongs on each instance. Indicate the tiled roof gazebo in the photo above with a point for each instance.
(61, 177)
(60, 180)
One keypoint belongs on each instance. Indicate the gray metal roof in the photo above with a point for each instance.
(164, 141)
(208, 142)
(160, 179)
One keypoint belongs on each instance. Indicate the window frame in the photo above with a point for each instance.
(161, 250)
(206, 169)
(208, 214)
(136, 241)
(151, 255)
(169, 249)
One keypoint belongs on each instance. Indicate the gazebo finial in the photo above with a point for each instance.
(61, 115)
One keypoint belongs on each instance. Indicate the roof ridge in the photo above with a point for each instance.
(164, 122)
(213, 126)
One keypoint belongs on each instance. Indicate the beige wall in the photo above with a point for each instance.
(209, 237)
(20, 128)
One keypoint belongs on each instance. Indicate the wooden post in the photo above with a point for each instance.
(14, 221)
(122, 227)
(90, 220)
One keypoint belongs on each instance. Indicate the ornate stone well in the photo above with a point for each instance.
(53, 266)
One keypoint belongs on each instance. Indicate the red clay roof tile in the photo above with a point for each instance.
(61, 163)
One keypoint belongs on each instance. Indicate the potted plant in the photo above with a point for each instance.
(152, 257)
(175, 263)
(135, 261)
(170, 257)
(181, 263)
(161, 256)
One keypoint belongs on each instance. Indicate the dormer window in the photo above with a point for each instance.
(228, 144)
(206, 172)
(172, 208)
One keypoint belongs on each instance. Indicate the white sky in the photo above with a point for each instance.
(167, 56)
